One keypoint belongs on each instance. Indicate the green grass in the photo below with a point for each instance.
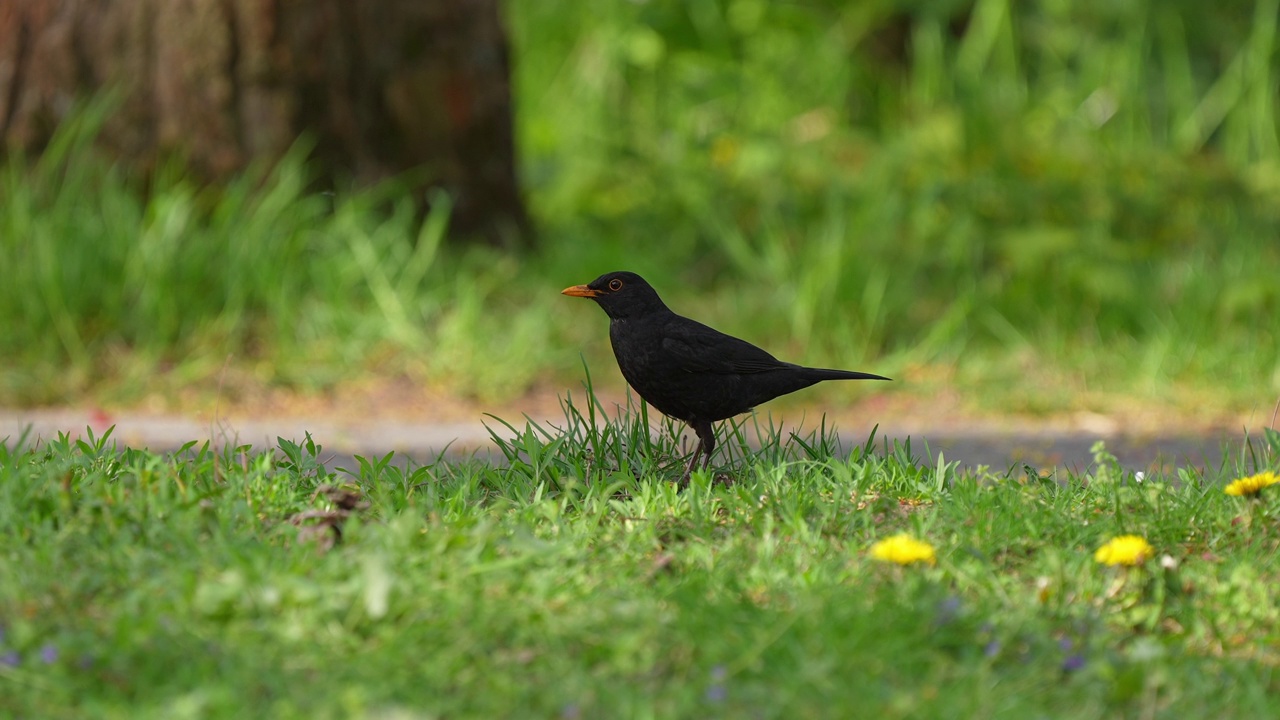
(573, 580)
(1050, 205)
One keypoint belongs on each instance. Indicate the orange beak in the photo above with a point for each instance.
(579, 291)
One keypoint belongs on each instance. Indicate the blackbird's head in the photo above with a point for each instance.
(621, 294)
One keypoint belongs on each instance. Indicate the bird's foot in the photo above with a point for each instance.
(688, 471)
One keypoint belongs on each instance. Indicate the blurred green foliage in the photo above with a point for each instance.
(1088, 188)
(941, 177)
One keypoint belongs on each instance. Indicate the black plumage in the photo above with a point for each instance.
(689, 371)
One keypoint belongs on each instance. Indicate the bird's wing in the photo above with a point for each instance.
(701, 349)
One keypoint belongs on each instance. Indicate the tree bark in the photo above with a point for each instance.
(383, 86)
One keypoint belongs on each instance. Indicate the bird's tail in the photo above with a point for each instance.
(818, 374)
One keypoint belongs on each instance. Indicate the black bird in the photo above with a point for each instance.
(687, 370)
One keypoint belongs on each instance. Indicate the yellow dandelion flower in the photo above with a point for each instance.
(1124, 550)
(1252, 485)
(903, 550)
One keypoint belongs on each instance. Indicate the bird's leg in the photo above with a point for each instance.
(708, 435)
(706, 443)
(684, 479)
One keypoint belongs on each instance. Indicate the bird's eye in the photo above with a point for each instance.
(615, 285)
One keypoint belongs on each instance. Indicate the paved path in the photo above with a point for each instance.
(998, 448)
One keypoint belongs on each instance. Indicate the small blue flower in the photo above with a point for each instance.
(716, 692)
(48, 654)
(10, 659)
(992, 649)
(948, 610)
(1073, 663)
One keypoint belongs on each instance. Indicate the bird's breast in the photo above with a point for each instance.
(639, 355)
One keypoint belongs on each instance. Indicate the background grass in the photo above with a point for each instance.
(574, 581)
(1043, 204)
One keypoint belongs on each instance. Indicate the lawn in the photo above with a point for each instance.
(570, 579)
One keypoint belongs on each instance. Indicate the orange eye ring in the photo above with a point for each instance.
(615, 285)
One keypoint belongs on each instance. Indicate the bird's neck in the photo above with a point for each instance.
(636, 315)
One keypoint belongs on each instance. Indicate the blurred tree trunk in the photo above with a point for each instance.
(383, 86)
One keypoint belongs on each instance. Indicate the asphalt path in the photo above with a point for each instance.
(998, 448)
